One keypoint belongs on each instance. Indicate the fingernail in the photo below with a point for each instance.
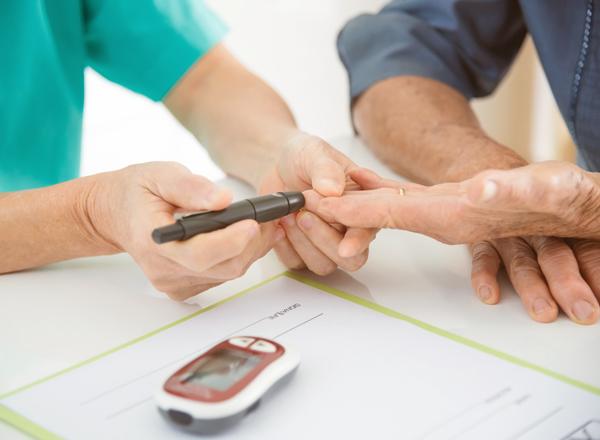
(490, 188)
(582, 310)
(485, 293)
(540, 305)
(305, 220)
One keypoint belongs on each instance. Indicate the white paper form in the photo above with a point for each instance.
(363, 374)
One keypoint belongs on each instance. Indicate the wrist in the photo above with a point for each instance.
(93, 213)
(475, 152)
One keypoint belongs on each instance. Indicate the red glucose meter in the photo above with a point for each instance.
(222, 385)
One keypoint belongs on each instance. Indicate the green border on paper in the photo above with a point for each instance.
(446, 334)
(25, 425)
(38, 432)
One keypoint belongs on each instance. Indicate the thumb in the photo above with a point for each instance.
(181, 188)
(327, 177)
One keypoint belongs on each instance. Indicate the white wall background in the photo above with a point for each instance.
(291, 44)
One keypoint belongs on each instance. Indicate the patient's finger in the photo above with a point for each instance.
(527, 278)
(484, 272)
(373, 210)
(568, 288)
(587, 253)
(441, 218)
(311, 200)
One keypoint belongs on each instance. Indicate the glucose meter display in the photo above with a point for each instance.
(222, 369)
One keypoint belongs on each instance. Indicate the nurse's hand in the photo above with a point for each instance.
(308, 162)
(128, 204)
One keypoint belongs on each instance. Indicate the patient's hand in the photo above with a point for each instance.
(553, 198)
(547, 272)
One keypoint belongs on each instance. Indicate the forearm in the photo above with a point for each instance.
(46, 225)
(240, 119)
(427, 131)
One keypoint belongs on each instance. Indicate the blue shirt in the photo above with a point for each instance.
(470, 44)
(144, 45)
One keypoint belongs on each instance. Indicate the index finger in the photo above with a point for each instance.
(204, 251)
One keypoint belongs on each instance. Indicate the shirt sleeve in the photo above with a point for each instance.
(148, 45)
(467, 44)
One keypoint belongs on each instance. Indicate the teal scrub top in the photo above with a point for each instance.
(144, 45)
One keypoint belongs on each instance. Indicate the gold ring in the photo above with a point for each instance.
(401, 191)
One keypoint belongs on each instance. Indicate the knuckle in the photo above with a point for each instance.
(588, 252)
(550, 249)
(174, 166)
(289, 261)
(179, 290)
(174, 293)
(241, 270)
(159, 283)
(324, 269)
(447, 239)
(315, 142)
(288, 257)
(569, 192)
(237, 268)
(355, 263)
(522, 265)
(232, 249)
(240, 242)
(483, 251)
(196, 262)
(296, 265)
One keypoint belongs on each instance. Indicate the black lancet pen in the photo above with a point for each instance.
(262, 209)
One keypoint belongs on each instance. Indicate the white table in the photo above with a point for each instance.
(56, 316)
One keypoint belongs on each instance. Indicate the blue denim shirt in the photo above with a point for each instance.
(470, 44)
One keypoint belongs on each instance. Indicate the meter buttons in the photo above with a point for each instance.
(263, 346)
(241, 342)
(253, 344)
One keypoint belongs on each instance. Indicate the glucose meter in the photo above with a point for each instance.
(222, 385)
